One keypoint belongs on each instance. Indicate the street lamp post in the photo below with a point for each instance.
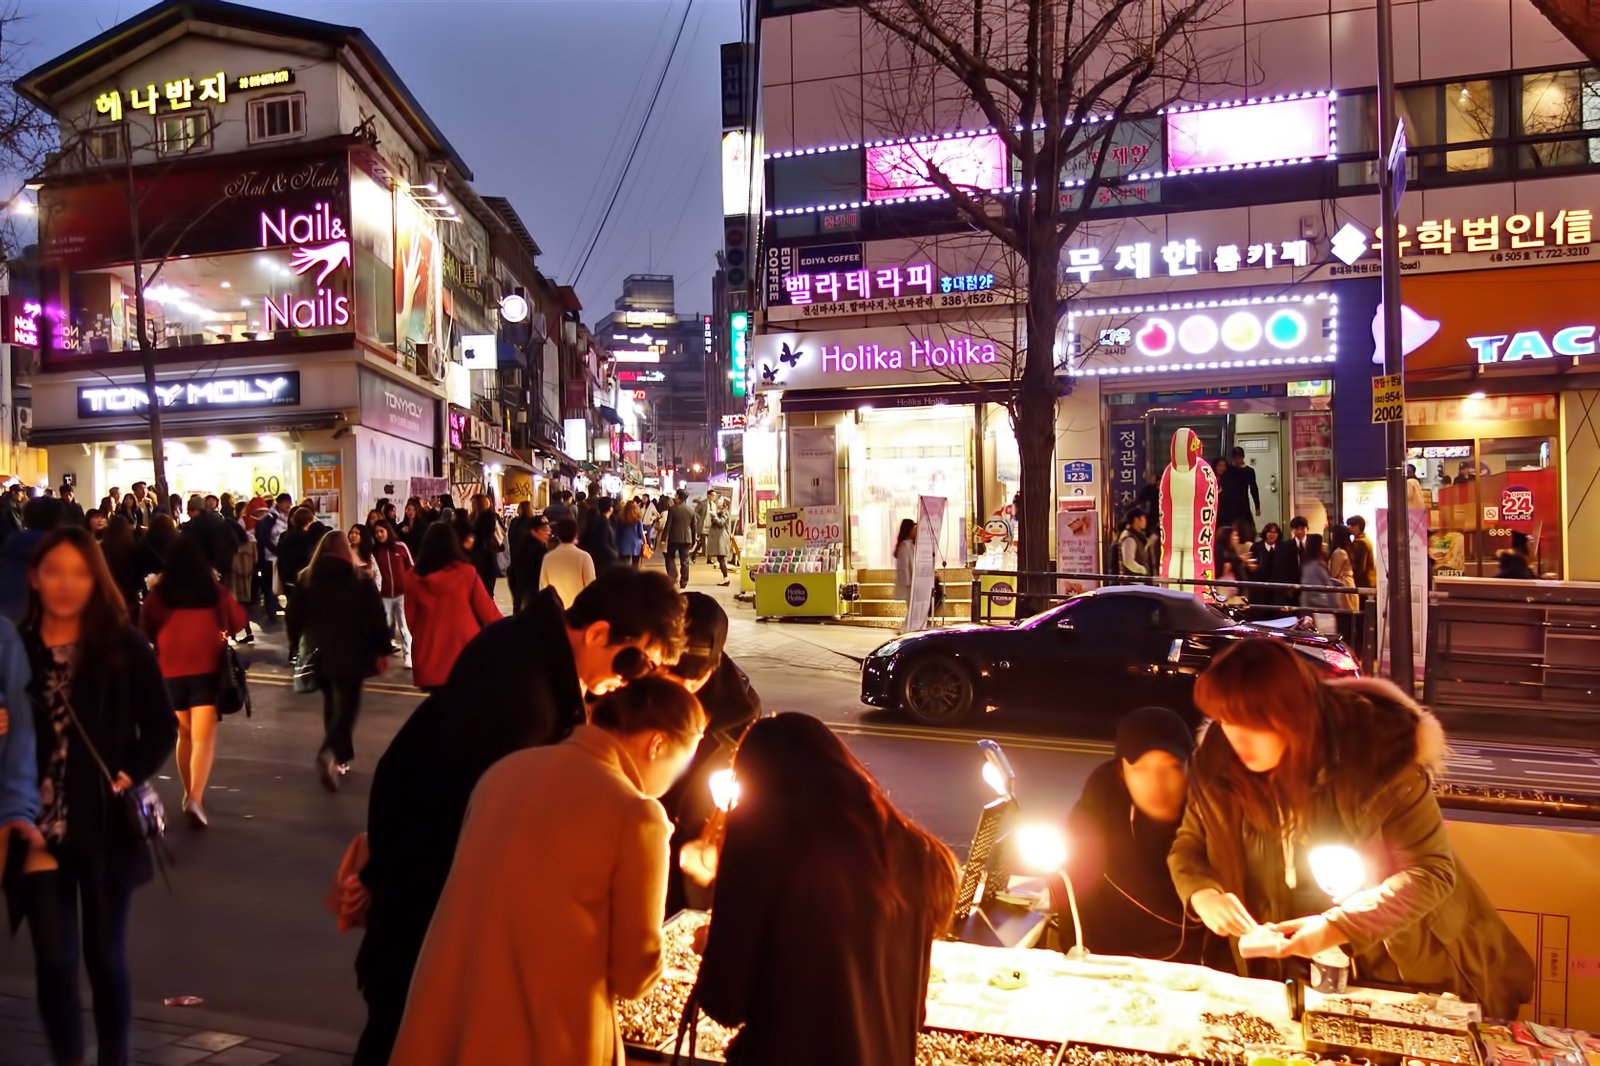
(1391, 187)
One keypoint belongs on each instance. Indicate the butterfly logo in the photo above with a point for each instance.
(788, 357)
(769, 373)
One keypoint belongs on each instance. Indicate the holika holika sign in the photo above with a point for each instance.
(930, 353)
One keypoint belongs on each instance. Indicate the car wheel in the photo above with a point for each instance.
(937, 691)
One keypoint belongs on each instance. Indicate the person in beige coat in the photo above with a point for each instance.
(553, 908)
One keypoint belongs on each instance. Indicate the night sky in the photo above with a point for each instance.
(542, 99)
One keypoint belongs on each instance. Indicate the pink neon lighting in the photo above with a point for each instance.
(903, 169)
(1249, 134)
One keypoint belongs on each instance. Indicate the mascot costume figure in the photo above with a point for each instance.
(1189, 514)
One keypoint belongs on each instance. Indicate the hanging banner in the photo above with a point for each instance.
(1416, 533)
(1312, 436)
(813, 467)
(429, 488)
(1127, 465)
(1077, 548)
(924, 566)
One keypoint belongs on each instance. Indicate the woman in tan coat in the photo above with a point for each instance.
(553, 907)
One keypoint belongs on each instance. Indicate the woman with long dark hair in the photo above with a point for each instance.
(446, 605)
(488, 539)
(340, 614)
(163, 531)
(185, 616)
(104, 726)
(131, 560)
(827, 903)
(360, 538)
(1296, 761)
(905, 554)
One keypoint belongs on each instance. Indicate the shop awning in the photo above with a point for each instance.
(139, 432)
(510, 462)
(893, 396)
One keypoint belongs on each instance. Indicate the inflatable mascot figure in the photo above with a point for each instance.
(1189, 514)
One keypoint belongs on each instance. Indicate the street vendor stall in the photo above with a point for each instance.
(1037, 1007)
(800, 572)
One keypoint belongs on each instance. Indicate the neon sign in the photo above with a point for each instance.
(905, 169)
(180, 94)
(1572, 226)
(1183, 258)
(1203, 335)
(1236, 136)
(320, 243)
(278, 390)
(866, 284)
(25, 326)
(1572, 342)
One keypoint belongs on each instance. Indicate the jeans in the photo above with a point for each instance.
(680, 552)
(51, 900)
(394, 609)
(341, 703)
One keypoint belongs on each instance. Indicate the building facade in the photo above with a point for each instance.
(307, 254)
(1224, 280)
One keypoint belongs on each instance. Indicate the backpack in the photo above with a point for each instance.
(264, 527)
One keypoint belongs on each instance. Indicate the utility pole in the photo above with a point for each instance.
(1391, 187)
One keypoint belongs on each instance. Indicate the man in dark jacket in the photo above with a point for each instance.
(1121, 830)
(679, 534)
(40, 515)
(216, 540)
(527, 561)
(520, 683)
(731, 706)
(11, 511)
(72, 510)
(1237, 491)
(600, 537)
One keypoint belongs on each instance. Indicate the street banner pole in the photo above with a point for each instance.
(1391, 188)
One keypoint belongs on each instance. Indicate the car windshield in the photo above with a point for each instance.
(1183, 614)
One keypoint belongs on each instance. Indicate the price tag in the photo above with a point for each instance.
(786, 529)
(822, 526)
(1388, 399)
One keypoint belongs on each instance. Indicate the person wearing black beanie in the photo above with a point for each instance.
(1121, 830)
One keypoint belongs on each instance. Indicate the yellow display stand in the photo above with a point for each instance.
(999, 593)
(798, 595)
(747, 573)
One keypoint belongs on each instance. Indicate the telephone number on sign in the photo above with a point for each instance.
(1576, 251)
(1389, 413)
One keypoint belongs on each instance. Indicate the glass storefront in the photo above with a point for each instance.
(1488, 467)
(246, 465)
(897, 455)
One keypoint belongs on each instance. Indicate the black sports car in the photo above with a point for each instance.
(1098, 655)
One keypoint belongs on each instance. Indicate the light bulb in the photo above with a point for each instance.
(1041, 847)
(724, 790)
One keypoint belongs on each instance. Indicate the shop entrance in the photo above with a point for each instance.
(255, 466)
(897, 455)
(1481, 490)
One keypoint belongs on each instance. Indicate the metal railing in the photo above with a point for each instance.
(1043, 588)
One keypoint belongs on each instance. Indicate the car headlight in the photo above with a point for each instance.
(888, 650)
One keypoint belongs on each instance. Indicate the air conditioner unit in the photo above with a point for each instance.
(24, 422)
(469, 275)
(430, 362)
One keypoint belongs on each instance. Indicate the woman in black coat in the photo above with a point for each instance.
(488, 539)
(1270, 560)
(827, 903)
(105, 726)
(338, 611)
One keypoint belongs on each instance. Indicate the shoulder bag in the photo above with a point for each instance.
(233, 689)
(139, 805)
(502, 550)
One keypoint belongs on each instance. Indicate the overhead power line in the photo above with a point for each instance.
(634, 150)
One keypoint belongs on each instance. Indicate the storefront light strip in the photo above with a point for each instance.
(916, 198)
(1242, 364)
(979, 131)
(1199, 305)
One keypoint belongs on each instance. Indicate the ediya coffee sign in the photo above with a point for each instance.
(933, 353)
(198, 209)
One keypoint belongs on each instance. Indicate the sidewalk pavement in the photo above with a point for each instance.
(163, 1041)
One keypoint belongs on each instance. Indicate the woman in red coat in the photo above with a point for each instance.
(185, 617)
(446, 604)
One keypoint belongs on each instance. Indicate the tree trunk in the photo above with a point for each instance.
(147, 359)
(1036, 433)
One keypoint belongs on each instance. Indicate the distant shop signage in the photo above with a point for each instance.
(896, 355)
(264, 390)
(1529, 237)
(391, 407)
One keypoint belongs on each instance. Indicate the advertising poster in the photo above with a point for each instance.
(813, 467)
(416, 276)
(322, 482)
(428, 487)
(1077, 548)
(1312, 437)
(930, 525)
(1417, 543)
(517, 487)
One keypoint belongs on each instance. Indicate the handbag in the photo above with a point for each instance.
(305, 669)
(140, 804)
(502, 550)
(233, 689)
